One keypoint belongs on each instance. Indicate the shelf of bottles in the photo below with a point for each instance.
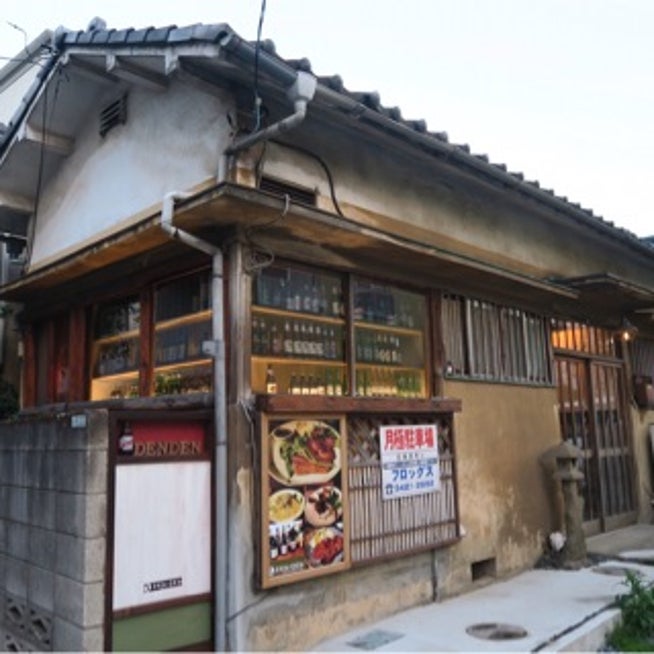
(389, 341)
(182, 322)
(115, 354)
(298, 332)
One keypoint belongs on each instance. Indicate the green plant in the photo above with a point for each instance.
(636, 630)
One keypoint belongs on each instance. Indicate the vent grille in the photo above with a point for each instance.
(297, 194)
(113, 114)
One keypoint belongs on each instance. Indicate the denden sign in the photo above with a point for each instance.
(409, 458)
(162, 440)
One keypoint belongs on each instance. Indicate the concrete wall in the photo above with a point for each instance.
(296, 618)
(53, 503)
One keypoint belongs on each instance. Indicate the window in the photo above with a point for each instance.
(152, 343)
(483, 340)
(579, 337)
(300, 336)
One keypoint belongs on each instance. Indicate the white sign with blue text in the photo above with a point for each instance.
(409, 458)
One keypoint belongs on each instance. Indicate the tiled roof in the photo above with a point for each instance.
(172, 35)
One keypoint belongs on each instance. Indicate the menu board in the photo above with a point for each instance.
(305, 527)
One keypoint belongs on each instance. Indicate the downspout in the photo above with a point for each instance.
(216, 348)
(300, 93)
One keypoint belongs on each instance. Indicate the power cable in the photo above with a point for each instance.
(257, 98)
(323, 165)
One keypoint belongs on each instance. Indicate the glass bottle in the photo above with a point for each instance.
(288, 338)
(271, 381)
(276, 340)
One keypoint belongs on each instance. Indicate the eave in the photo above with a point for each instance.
(300, 232)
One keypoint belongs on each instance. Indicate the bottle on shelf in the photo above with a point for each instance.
(271, 381)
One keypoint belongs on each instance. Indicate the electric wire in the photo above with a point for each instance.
(323, 165)
(41, 163)
(257, 48)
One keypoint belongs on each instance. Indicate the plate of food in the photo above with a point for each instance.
(285, 505)
(323, 506)
(324, 546)
(304, 452)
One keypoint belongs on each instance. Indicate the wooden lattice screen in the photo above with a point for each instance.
(384, 528)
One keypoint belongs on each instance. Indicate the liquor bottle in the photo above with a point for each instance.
(274, 549)
(294, 386)
(271, 381)
(292, 538)
(330, 386)
(283, 548)
(312, 345)
(304, 339)
(306, 297)
(255, 340)
(288, 338)
(315, 298)
(303, 385)
(320, 343)
(323, 300)
(336, 300)
(264, 342)
(320, 385)
(332, 345)
(276, 340)
(297, 339)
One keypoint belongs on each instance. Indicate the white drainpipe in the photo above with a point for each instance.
(300, 93)
(216, 348)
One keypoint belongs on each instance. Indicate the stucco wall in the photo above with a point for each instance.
(644, 457)
(170, 142)
(508, 505)
(53, 503)
(448, 210)
(507, 500)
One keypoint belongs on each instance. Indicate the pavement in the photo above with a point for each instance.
(548, 610)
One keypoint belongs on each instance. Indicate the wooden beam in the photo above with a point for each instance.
(88, 70)
(53, 142)
(130, 72)
(16, 202)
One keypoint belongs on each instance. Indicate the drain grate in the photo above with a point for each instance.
(375, 639)
(496, 631)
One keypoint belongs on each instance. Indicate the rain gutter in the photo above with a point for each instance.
(216, 349)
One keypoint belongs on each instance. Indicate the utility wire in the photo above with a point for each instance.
(257, 98)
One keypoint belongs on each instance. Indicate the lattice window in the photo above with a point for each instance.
(384, 528)
(492, 342)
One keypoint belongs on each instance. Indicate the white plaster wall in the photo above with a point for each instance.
(13, 91)
(171, 141)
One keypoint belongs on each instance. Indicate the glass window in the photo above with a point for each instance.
(389, 336)
(115, 356)
(182, 311)
(298, 332)
(483, 340)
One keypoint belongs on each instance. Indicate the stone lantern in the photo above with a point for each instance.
(566, 456)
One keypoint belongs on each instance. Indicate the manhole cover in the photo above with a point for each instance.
(496, 631)
(374, 639)
(615, 570)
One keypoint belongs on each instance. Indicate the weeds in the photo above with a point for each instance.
(635, 633)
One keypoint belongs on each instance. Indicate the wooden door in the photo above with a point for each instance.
(592, 415)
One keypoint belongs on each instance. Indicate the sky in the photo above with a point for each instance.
(559, 90)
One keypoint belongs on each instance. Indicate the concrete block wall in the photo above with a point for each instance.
(53, 517)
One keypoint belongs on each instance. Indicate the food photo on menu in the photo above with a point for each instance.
(305, 501)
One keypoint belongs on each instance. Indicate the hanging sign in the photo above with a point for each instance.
(305, 530)
(409, 458)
